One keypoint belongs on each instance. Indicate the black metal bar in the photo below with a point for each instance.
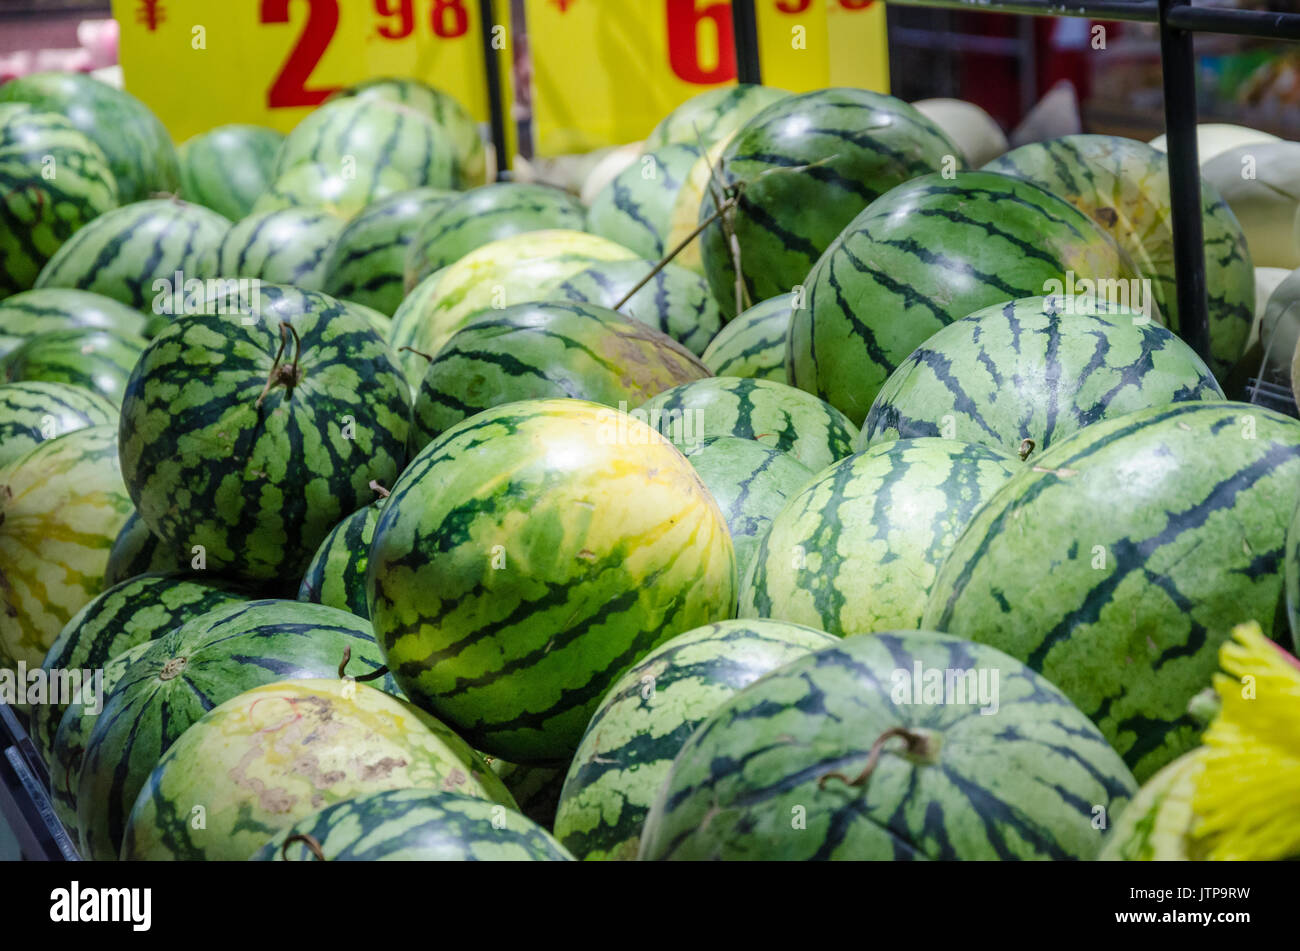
(744, 29)
(1178, 69)
(492, 72)
(1141, 11)
(1278, 26)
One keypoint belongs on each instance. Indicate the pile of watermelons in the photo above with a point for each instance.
(409, 516)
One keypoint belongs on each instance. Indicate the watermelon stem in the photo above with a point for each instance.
(313, 846)
(922, 745)
(418, 353)
(1026, 448)
(286, 376)
(373, 675)
(667, 258)
(376, 487)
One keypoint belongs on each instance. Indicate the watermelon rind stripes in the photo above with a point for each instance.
(97, 361)
(531, 554)
(34, 312)
(362, 741)
(137, 551)
(32, 412)
(636, 207)
(1119, 562)
(336, 576)
(642, 723)
(328, 187)
(1008, 772)
(416, 825)
(227, 168)
(753, 344)
(289, 246)
(713, 115)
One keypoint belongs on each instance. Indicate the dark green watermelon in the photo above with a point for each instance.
(188, 671)
(927, 253)
(227, 168)
(753, 345)
(239, 438)
(138, 551)
(902, 745)
(336, 576)
(550, 349)
(1121, 560)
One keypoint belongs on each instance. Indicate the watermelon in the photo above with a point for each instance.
(185, 673)
(443, 109)
(808, 164)
(138, 551)
(515, 270)
(67, 747)
(1291, 571)
(684, 221)
(540, 350)
(903, 745)
(642, 723)
(713, 115)
(1123, 185)
(336, 576)
(1121, 560)
(227, 168)
(354, 133)
(123, 616)
(772, 413)
(536, 789)
(675, 300)
(125, 253)
(1157, 824)
(751, 483)
(1038, 369)
(138, 148)
(367, 261)
(61, 506)
(362, 741)
(31, 413)
(35, 312)
(97, 361)
(483, 215)
(253, 441)
(415, 825)
(858, 549)
(636, 208)
(317, 185)
(53, 181)
(930, 252)
(528, 556)
(753, 345)
(289, 246)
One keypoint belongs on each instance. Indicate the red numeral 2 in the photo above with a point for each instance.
(290, 86)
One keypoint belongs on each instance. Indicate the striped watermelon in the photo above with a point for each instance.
(36, 312)
(642, 723)
(53, 180)
(61, 506)
(859, 145)
(684, 222)
(122, 253)
(784, 770)
(774, 414)
(1119, 563)
(289, 246)
(362, 741)
(138, 551)
(317, 185)
(713, 115)
(1291, 572)
(541, 350)
(753, 345)
(536, 789)
(415, 825)
(367, 261)
(376, 134)
(228, 167)
(858, 549)
(31, 413)
(336, 576)
(928, 253)
(1123, 185)
(125, 615)
(97, 361)
(531, 554)
(1157, 824)
(483, 215)
(139, 150)
(67, 747)
(675, 300)
(185, 673)
(515, 270)
(379, 323)
(406, 325)
(751, 483)
(446, 113)
(1037, 369)
(636, 208)
(254, 443)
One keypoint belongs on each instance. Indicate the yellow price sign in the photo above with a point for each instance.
(606, 71)
(200, 64)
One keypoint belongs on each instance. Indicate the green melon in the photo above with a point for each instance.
(227, 168)
(713, 115)
(32, 412)
(289, 246)
(317, 185)
(97, 361)
(636, 208)
(753, 345)
(336, 576)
